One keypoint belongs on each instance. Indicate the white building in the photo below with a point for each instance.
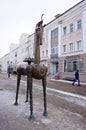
(72, 41)
(4, 61)
(64, 44)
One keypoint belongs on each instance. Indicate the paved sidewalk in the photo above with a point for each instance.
(16, 117)
(63, 112)
(65, 81)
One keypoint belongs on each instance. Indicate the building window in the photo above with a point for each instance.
(45, 40)
(64, 30)
(71, 28)
(79, 45)
(42, 53)
(54, 50)
(46, 52)
(15, 54)
(54, 33)
(64, 48)
(7, 62)
(71, 47)
(79, 24)
(72, 65)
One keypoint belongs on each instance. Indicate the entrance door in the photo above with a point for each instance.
(54, 68)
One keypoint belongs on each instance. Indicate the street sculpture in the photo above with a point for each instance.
(35, 70)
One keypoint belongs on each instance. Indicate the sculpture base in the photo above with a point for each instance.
(26, 101)
(16, 104)
(45, 113)
(31, 118)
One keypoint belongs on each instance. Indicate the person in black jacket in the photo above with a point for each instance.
(8, 71)
(76, 78)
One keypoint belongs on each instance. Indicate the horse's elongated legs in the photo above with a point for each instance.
(17, 90)
(44, 94)
(27, 89)
(29, 85)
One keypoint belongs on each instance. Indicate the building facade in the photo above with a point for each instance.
(64, 44)
(73, 42)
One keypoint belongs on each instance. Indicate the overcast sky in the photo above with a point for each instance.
(21, 16)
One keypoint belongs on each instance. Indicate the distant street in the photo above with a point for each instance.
(66, 106)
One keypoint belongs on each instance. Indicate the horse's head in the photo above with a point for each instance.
(39, 31)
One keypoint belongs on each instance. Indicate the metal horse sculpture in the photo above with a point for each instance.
(35, 70)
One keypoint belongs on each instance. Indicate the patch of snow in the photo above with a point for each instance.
(46, 121)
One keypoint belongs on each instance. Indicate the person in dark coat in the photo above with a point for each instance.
(8, 71)
(76, 78)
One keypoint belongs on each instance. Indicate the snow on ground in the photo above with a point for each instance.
(17, 116)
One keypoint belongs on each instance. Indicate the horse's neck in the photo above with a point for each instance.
(37, 51)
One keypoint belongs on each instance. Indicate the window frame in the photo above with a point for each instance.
(64, 30)
(54, 33)
(71, 65)
(71, 46)
(79, 24)
(71, 27)
(47, 53)
(64, 48)
(79, 45)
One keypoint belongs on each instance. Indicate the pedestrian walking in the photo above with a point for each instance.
(76, 78)
(9, 71)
